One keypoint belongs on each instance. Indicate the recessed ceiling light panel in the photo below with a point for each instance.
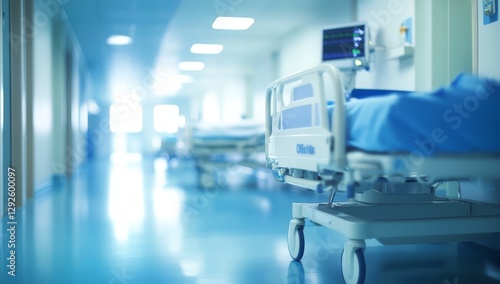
(201, 48)
(232, 23)
(119, 40)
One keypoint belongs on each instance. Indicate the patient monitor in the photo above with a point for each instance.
(348, 47)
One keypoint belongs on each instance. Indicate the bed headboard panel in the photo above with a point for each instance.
(296, 119)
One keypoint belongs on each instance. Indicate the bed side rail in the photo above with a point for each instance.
(277, 135)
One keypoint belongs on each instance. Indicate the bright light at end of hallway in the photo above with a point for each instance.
(166, 118)
(125, 158)
(211, 108)
(160, 165)
(125, 119)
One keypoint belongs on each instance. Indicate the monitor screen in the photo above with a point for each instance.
(344, 44)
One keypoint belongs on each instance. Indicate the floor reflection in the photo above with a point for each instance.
(148, 221)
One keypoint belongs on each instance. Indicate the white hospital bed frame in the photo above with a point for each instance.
(200, 147)
(203, 150)
(206, 146)
(389, 218)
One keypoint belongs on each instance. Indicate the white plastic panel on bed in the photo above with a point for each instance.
(298, 130)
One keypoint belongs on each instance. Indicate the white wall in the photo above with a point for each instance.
(226, 103)
(76, 152)
(265, 72)
(385, 18)
(296, 51)
(233, 100)
(443, 41)
(58, 161)
(4, 192)
(302, 48)
(488, 64)
(59, 75)
(43, 107)
(488, 43)
(441, 38)
(460, 37)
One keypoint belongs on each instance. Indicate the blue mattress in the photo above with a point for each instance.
(463, 117)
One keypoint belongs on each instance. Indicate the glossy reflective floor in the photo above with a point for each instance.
(147, 221)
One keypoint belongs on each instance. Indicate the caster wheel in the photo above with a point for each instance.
(296, 243)
(353, 266)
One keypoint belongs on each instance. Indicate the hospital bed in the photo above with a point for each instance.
(168, 145)
(389, 152)
(220, 146)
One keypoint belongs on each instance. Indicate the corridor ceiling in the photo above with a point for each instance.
(164, 30)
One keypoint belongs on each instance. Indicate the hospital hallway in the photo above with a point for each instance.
(143, 220)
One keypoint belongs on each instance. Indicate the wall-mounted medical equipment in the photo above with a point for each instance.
(347, 47)
(489, 7)
(490, 11)
(404, 49)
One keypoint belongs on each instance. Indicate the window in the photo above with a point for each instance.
(166, 118)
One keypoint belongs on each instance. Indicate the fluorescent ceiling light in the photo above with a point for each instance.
(119, 40)
(201, 48)
(232, 23)
(191, 65)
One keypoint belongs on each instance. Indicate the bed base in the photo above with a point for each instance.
(428, 222)
(393, 218)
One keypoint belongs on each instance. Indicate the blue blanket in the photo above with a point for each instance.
(463, 117)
